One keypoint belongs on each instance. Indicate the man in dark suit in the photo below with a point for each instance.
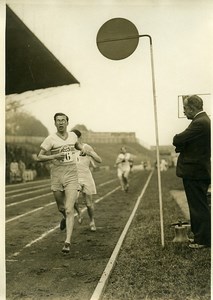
(194, 167)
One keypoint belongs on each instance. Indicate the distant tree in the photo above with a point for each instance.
(12, 105)
(23, 124)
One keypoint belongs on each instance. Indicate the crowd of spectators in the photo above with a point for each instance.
(20, 167)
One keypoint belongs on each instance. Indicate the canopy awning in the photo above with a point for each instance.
(29, 64)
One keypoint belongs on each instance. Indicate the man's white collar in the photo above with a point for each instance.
(199, 113)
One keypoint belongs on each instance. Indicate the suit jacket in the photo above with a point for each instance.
(194, 146)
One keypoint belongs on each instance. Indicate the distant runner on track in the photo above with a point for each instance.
(64, 180)
(123, 163)
(85, 179)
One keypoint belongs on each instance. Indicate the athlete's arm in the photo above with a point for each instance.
(43, 156)
(78, 146)
(119, 160)
(88, 150)
(92, 162)
(94, 155)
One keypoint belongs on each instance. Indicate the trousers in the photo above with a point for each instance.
(199, 210)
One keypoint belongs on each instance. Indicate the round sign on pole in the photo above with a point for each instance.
(117, 38)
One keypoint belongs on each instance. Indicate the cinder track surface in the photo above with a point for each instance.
(36, 268)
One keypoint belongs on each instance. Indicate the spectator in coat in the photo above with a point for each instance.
(193, 166)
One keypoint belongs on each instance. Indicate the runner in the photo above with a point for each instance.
(64, 180)
(85, 179)
(123, 168)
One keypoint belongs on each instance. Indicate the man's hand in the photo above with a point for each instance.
(60, 155)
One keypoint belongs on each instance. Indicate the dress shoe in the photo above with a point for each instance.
(197, 246)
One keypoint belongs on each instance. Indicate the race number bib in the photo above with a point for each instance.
(68, 156)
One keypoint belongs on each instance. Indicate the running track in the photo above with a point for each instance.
(26, 200)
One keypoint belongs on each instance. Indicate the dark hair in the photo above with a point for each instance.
(77, 132)
(194, 101)
(60, 114)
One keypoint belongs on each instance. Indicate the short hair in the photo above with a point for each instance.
(194, 101)
(60, 114)
(77, 132)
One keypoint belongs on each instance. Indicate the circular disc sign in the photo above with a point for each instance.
(117, 38)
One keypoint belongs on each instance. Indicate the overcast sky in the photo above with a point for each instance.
(117, 95)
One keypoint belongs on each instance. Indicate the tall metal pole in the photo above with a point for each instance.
(156, 122)
(157, 142)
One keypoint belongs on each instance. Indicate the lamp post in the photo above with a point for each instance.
(117, 39)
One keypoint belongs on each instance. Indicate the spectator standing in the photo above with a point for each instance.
(14, 171)
(193, 166)
(22, 168)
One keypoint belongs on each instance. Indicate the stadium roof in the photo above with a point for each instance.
(29, 64)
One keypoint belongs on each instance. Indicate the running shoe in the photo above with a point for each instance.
(92, 226)
(126, 188)
(63, 224)
(197, 246)
(66, 248)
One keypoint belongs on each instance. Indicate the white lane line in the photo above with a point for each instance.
(43, 185)
(98, 292)
(39, 208)
(111, 192)
(27, 200)
(11, 260)
(29, 212)
(26, 189)
(40, 196)
(107, 182)
(13, 196)
(8, 186)
(35, 241)
(56, 227)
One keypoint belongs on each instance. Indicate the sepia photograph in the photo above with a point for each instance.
(106, 149)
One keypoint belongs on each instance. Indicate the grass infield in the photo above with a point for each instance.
(145, 270)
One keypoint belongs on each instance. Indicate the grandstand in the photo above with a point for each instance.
(107, 144)
(23, 48)
(88, 137)
(108, 137)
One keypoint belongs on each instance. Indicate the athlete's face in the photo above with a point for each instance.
(123, 150)
(61, 123)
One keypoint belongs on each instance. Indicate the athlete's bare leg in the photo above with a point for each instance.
(90, 210)
(76, 206)
(60, 200)
(126, 181)
(78, 210)
(70, 198)
(121, 182)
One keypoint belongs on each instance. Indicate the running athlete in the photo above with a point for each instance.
(85, 179)
(60, 148)
(123, 168)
